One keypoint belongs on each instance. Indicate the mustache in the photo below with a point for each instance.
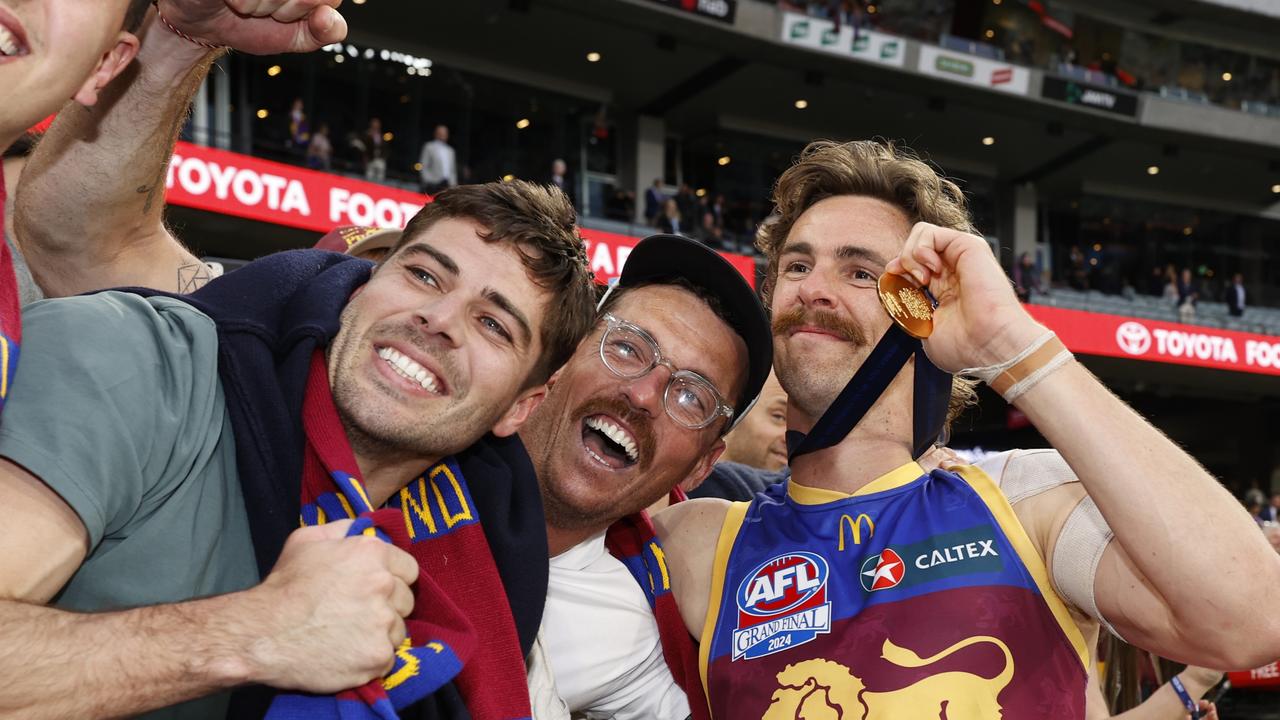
(826, 320)
(640, 424)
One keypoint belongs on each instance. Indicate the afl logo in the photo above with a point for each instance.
(1133, 338)
(782, 603)
(782, 584)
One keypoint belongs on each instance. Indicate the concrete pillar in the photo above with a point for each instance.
(221, 105)
(651, 138)
(200, 115)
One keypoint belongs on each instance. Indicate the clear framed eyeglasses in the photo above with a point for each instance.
(630, 352)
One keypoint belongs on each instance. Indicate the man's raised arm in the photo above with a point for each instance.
(1188, 570)
(91, 200)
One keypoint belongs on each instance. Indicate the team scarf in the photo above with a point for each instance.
(633, 541)
(10, 309)
(461, 627)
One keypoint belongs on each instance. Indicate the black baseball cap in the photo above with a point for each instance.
(660, 258)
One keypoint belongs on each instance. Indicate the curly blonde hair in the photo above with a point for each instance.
(871, 168)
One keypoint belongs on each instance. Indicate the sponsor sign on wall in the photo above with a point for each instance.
(1265, 676)
(234, 184)
(1154, 341)
(974, 70)
(723, 10)
(820, 34)
(248, 187)
(1078, 93)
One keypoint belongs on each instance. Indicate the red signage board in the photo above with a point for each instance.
(1118, 336)
(234, 184)
(248, 187)
(1267, 676)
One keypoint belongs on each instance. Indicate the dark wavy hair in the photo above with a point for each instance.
(540, 222)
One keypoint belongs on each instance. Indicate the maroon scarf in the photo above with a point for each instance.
(460, 618)
(633, 541)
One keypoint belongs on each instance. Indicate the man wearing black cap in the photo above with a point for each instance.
(679, 353)
(867, 587)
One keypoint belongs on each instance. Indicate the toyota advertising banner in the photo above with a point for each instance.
(234, 184)
(1117, 336)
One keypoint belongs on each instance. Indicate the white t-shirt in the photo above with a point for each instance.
(601, 640)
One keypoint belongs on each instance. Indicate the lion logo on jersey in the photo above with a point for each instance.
(826, 690)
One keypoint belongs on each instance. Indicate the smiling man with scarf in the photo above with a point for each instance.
(165, 449)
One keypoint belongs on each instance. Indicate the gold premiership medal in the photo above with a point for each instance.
(907, 304)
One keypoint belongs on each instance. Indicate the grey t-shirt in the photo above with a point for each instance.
(117, 406)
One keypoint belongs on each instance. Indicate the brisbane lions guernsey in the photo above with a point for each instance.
(918, 597)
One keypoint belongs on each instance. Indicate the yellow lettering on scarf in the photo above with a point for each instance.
(662, 565)
(416, 499)
(465, 512)
(414, 502)
(407, 670)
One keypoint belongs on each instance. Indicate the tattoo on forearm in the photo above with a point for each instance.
(192, 277)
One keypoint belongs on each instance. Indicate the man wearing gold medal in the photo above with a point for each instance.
(868, 588)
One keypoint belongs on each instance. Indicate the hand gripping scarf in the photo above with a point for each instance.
(461, 627)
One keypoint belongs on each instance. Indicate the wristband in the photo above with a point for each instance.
(1021, 372)
(179, 33)
(1190, 704)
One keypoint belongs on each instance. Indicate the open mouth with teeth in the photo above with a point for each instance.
(12, 44)
(609, 443)
(410, 370)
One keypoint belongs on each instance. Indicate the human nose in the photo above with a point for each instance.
(645, 393)
(442, 318)
(817, 289)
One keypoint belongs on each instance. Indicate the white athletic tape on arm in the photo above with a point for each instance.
(1083, 539)
(1027, 473)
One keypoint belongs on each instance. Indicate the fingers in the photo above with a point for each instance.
(326, 25)
(402, 599)
(399, 632)
(402, 565)
(930, 249)
(328, 531)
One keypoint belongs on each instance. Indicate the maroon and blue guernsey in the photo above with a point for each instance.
(920, 596)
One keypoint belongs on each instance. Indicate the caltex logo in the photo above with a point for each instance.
(883, 571)
(1133, 338)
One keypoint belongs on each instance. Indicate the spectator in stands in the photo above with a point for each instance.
(299, 130)
(654, 199)
(560, 178)
(1270, 511)
(1026, 278)
(1188, 294)
(375, 151)
(688, 203)
(760, 439)
(671, 220)
(1236, 295)
(1256, 502)
(1156, 281)
(1170, 291)
(320, 150)
(1078, 271)
(439, 162)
